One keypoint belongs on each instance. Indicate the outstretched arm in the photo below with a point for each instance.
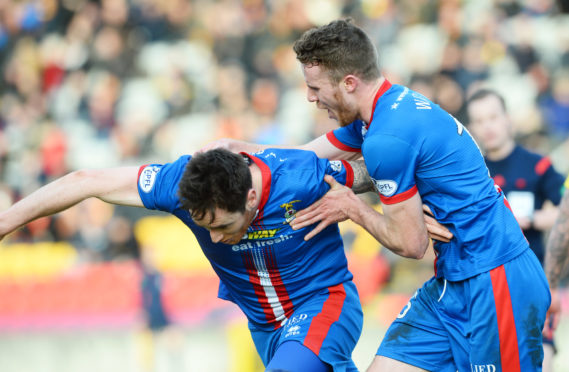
(557, 256)
(321, 146)
(113, 185)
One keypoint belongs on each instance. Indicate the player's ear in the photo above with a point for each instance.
(251, 203)
(350, 82)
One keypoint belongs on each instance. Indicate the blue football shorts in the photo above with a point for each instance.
(491, 322)
(328, 326)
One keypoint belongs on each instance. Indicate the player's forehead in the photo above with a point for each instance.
(221, 218)
(316, 75)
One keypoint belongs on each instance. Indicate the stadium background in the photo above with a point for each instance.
(89, 84)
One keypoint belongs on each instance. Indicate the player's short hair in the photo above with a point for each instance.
(214, 179)
(340, 47)
(483, 93)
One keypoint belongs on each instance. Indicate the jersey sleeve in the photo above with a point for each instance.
(392, 168)
(341, 170)
(158, 185)
(551, 181)
(348, 138)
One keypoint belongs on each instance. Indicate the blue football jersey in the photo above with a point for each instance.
(272, 269)
(412, 145)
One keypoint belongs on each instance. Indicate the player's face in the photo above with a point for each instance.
(489, 123)
(227, 227)
(328, 95)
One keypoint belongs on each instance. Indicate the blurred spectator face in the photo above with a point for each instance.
(265, 97)
(327, 95)
(489, 123)
(448, 94)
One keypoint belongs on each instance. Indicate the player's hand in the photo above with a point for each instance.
(436, 230)
(553, 314)
(331, 208)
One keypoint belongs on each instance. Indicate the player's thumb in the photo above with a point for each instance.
(331, 181)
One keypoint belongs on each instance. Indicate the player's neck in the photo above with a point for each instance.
(501, 152)
(368, 97)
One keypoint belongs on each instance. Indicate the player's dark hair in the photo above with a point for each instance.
(341, 48)
(215, 178)
(483, 93)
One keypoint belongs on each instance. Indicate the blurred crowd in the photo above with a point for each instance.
(99, 83)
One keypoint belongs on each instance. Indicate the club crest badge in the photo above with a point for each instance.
(290, 212)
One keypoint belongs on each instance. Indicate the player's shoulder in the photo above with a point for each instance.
(152, 170)
(278, 157)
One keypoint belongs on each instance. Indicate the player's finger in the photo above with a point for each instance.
(439, 238)
(331, 181)
(436, 228)
(305, 220)
(440, 232)
(321, 226)
(310, 209)
(428, 210)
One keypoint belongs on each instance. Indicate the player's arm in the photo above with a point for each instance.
(113, 185)
(557, 255)
(401, 228)
(321, 146)
(363, 183)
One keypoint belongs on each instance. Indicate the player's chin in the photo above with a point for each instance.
(231, 241)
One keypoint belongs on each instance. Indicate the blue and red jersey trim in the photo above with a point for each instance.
(336, 142)
(382, 89)
(331, 311)
(399, 197)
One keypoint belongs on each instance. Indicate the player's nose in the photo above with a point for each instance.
(311, 96)
(215, 236)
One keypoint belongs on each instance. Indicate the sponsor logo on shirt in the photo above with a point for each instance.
(336, 165)
(385, 187)
(297, 319)
(259, 243)
(292, 325)
(148, 177)
(483, 368)
(290, 212)
(292, 331)
(261, 234)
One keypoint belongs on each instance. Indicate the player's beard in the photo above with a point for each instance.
(345, 114)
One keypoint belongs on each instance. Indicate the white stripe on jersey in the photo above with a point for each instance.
(268, 287)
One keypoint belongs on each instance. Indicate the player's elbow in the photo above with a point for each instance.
(82, 175)
(86, 179)
(415, 246)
